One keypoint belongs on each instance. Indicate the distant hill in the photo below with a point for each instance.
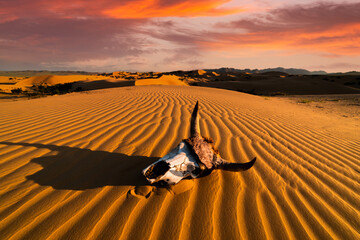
(294, 71)
(352, 73)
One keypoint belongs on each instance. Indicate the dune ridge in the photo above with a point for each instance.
(54, 79)
(163, 80)
(70, 168)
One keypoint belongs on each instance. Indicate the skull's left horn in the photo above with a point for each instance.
(195, 127)
(235, 167)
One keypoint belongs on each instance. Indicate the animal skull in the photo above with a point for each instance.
(193, 157)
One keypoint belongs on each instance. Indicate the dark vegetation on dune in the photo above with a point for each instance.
(43, 90)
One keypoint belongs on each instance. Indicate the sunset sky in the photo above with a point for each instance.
(166, 35)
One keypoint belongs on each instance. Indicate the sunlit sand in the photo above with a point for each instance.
(70, 167)
(55, 79)
(163, 80)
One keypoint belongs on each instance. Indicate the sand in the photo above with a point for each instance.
(70, 167)
(8, 83)
(341, 105)
(7, 80)
(163, 80)
(55, 79)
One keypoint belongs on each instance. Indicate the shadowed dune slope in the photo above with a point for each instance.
(70, 168)
(294, 85)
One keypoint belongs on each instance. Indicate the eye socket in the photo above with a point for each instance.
(157, 170)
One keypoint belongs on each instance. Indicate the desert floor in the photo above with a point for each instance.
(70, 167)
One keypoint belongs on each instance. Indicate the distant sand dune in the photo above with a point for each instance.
(55, 79)
(70, 168)
(163, 80)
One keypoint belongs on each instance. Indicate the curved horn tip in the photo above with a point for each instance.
(248, 165)
(252, 162)
(235, 167)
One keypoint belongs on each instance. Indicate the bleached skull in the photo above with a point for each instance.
(173, 167)
(193, 157)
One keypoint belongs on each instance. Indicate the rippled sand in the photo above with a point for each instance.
(70, 168)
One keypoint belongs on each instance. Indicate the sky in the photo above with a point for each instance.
(168, 35)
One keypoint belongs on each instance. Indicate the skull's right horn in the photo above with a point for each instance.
(235, 167)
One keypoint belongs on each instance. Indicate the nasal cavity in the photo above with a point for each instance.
(158, 169)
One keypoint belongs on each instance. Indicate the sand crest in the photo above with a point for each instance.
(70, 168)
(163, 80)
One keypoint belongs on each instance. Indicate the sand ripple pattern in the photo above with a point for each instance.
(70, 169)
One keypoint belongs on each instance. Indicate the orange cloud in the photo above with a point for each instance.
(157, 8)
(326, 42)
(124, 9)
(341, 39)
(321, 28)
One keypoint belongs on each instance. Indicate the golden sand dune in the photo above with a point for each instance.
(163, 80)
(7, 80)
(201, 72)
(55, 79)
(70, 168)
(8, 83)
